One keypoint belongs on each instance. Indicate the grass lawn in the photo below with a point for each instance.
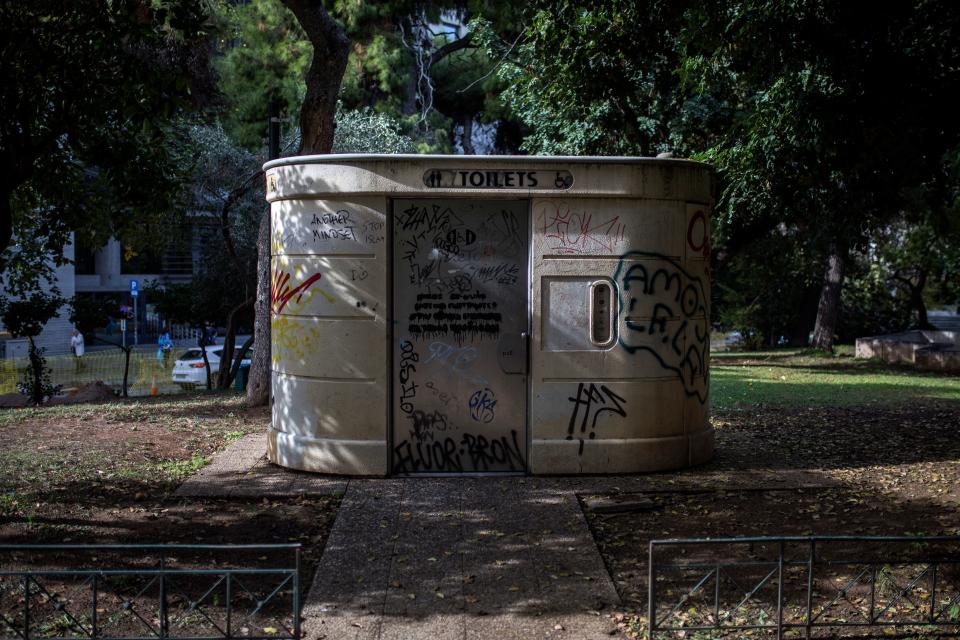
(106, 473)
(806, 444)
(794, 378)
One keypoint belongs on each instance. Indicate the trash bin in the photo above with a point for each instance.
(243, 374)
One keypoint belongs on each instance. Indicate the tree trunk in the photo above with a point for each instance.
(467, 123)
(206, 363)
(238, 358)
(258, 387)
(828, 310)
(225, 375)
(916, 301)
(6, 224)
(36, 372)
(330, 50)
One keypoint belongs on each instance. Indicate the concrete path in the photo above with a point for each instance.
(459, 558)
(241, 470)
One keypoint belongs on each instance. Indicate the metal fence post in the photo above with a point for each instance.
(26, 607)
(93, 612)
(296, 595)
(164, 631)
(813, 552)
(933, 592)
(651, 594)
(229, 602)
(780, 593)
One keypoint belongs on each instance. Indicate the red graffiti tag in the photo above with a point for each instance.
(699, 239)
(281, 292)
(578, 232)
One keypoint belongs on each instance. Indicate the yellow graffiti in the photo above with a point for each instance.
(292, 340)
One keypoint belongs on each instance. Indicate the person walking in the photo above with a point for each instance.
(164, 349)
(209, 334)
(77, 347)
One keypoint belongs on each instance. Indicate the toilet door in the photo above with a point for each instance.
(460, 275)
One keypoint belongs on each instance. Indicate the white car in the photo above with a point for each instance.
(189, 370)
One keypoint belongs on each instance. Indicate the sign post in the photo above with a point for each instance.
(134, 293)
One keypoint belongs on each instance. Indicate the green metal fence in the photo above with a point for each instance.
(804, 586)
(140, 592)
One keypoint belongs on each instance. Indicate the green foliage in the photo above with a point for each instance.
(831, 134)
(24, 318)
(598, 78)
(88, 95)
(225, 177)
(870, 306)
(365, 131)
(825, 124)
(762, 291)
(265, 57)
(87, 313)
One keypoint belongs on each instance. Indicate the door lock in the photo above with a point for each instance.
(512, 353)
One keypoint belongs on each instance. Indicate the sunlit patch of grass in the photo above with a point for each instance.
(804, 377)
(92, 447)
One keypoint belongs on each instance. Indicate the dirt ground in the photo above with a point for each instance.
(106, 474)
(885, 470)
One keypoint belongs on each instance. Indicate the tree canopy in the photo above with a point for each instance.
(825, 122)
(89, 93)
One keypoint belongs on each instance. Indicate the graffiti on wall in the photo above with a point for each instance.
(465, 317)
(453, 269)
(469, 452)
(570, 231)
(665, 313)
(283, 290)
(589, 403)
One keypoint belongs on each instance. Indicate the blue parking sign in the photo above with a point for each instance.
(134, 288)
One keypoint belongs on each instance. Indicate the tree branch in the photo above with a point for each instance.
(231, 200)
(465, 42)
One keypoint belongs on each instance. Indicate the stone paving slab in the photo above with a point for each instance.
(242, 470)
(459, 558)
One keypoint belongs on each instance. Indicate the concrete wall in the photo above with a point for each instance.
(329, 301)
(639, 402)
(926, 350)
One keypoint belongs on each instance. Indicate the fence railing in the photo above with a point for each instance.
(166, 596)
(803, 586)
(105, 365)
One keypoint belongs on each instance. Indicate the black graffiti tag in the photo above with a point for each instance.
(594, 401)
(471, 453)
(425, 425)
(408, 388)
(665, 313)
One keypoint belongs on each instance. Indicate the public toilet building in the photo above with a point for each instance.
(489, 314)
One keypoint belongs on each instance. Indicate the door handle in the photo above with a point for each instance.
(512, 353)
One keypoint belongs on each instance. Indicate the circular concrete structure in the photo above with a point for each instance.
(485, 314)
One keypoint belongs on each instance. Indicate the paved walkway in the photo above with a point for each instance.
(458, 558)
(242, 470)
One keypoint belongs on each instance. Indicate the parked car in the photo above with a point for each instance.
(189, 370)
